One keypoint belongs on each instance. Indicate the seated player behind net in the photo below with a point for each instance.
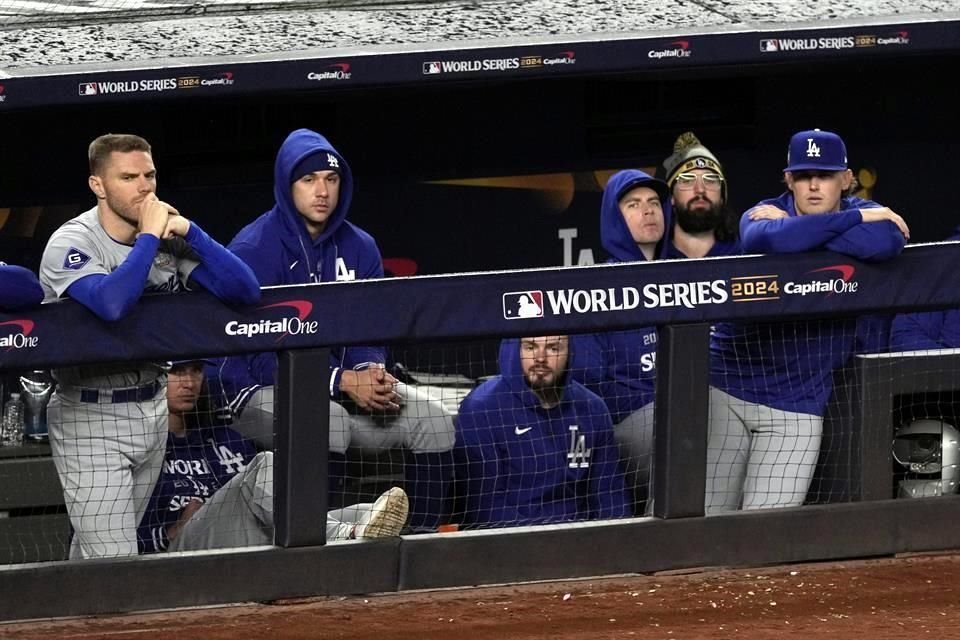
(534, 446)
(771, 381)
(215, 491)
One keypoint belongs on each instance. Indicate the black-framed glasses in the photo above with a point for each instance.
(708, 180)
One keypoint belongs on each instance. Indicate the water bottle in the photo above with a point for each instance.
(37, 389)
(13, 421)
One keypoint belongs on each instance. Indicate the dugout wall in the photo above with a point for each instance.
(395, 119)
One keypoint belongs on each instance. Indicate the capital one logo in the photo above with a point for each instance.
(813, 151)
(286, 326)
(22, 338)
(841, 284)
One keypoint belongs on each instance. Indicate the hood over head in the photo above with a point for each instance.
(302, 152)
(615, 236)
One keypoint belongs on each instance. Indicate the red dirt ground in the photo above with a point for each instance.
(908, 597)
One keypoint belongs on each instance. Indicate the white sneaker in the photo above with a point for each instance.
(386, 516)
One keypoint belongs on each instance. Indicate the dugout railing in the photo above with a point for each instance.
(681, 297)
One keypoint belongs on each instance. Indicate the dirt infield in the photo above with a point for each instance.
(905, 597)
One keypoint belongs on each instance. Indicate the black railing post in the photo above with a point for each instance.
(681, 416)
(302, 440)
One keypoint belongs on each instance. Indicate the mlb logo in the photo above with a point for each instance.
(769, 45)
(88, 88)
(523, 304)
(430, 68)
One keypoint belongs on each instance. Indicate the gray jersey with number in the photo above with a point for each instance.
(80, 248)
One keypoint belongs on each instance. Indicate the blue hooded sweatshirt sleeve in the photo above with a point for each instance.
(524, 464)
(620, 366)
(789, 365)
(19, 288)
(279, 249)
(927, 330)
(843, 232)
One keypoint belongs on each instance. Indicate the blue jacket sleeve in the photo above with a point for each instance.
(220, 272)
(917, 331)
(19, 288)
(795, 234)
(237, 376)
(111, 296)
(480, 464)
(608, 492)
(869, 241)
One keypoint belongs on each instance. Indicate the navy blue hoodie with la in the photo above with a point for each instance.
(620, 366)
(524, 464)
(280, 251)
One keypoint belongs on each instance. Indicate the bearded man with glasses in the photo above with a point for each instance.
(704, 226)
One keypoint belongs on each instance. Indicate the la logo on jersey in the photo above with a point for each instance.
(579, 456)
(343, 272)
(231, 461)
(813, 151)
(523, 304)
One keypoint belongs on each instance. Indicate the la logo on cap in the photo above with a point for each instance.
(813, 151)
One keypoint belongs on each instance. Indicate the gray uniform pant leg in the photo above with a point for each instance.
(758, 457)
(239, 514)
(108, 458)
(423, 424)
(634, 434)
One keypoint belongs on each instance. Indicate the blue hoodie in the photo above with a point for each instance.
(516, 455)
(789, 365)
(928, 330)
(195, 466)
(280, 251)
(620, 366)
(19, 288)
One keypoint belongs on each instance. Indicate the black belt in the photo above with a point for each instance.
(118, 396)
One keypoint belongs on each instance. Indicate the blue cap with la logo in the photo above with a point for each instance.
(816, 150)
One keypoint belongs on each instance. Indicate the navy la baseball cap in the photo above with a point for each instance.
(186, 361)
(816, 150)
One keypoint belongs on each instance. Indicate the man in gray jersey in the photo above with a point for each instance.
(107, 429)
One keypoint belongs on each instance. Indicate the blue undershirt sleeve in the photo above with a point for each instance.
(795, 234)
(221, 272)
(111, 296)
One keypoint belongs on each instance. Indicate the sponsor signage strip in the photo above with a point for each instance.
(408, 310)
(467, 64)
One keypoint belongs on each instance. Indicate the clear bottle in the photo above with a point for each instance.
(13, 421)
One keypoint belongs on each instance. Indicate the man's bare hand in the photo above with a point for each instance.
(767, 212)
(878, 214)
(372, 389)
(191, 508)
(153, 216)
(177, 225)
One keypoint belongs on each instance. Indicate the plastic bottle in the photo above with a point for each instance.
(37, 388)
(13, 421)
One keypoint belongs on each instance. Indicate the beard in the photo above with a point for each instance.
(700, 220)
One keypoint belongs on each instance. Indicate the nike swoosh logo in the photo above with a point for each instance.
(294, 264)
(520, 432)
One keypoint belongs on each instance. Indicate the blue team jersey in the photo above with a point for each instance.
(524, 464)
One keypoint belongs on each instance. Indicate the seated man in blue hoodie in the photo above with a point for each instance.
(536, 447)
(771, 381)
(928, 329)
(306, 238)
(215, 491)
(620, 366)
(19, 288)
